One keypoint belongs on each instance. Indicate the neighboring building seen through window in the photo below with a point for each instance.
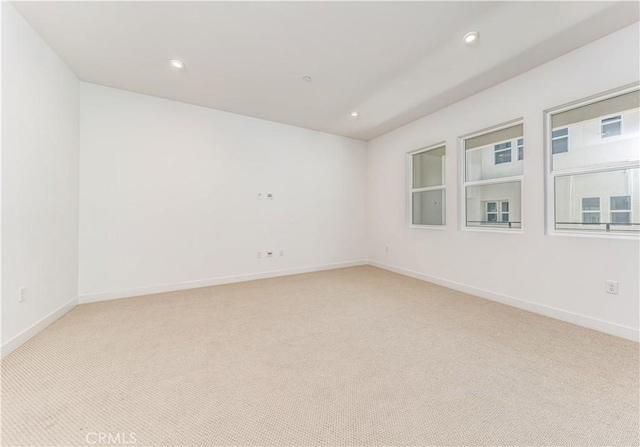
(520, 149)
(498, 211)
(560, 141)
(611, 127)
(596, 178)
(493, 178)
(591, 210)
(502, 153)
(620, 209)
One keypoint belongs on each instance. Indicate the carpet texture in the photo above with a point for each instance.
(356, 356)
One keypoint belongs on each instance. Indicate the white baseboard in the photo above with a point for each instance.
(559, 314)
(105, 296)
(39, 326)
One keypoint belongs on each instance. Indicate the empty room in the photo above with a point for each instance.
(320, 223)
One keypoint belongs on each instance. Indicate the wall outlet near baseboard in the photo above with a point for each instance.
(612, 287)
(22, 294)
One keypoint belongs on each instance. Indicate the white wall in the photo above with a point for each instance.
(561, 276)
(39, 181)
(168, 195)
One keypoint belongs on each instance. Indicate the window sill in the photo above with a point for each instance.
(493, 230)
(599, 235)
(428, 227)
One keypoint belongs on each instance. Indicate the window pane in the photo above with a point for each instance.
(428, 207)
(503, 157)
(591, 218)
(623, 218)
(492, 207)
(621, 203)
(505, 207)
(480, 198)
(489, 155)
(428, 168)
(560, 133)
(571, 190)
(589, 128)
(591, 203)
(560, 145)
(505, 217)
(611, 129)
(520, 152)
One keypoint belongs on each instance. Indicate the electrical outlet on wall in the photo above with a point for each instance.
(22, 294)
(612, 287)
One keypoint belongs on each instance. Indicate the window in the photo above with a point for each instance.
(611, 127)
(560, 141)
(497, 212)
(502, 153)
(591, 210)
(427, 190)
(620, 207)
(597, 167)
(520, 149)
(492, 185)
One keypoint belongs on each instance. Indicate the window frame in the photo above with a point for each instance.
(550, 175)
(497, 150)
(602, 124)
(463, 183)
(411, 190)
(520, 149)
(499, 212)
(620, 211)
(598, 211)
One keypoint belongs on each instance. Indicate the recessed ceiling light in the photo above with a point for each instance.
(354, 113)
(306, 78)
(175, 63)
(471, 37)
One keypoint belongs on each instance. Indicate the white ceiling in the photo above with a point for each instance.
(392, 61)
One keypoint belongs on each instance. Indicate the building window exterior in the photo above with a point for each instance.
(594, 179)
(502, 153)
(560, 141)
(611, 127)
(427, 187)
(620, 207)
(492, 183)
(497, 211)
(591, 210)
(520, 149)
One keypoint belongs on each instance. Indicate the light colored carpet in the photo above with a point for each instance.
(356, 356)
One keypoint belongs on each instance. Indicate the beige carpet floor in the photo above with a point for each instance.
(356, 356)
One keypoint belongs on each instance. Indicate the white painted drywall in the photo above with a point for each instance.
(40, 115)
(561, 272)
(169, 195)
